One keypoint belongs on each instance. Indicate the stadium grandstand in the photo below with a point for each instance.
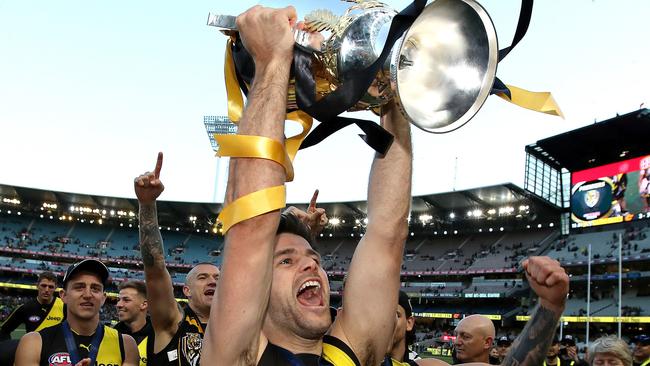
(463, 254)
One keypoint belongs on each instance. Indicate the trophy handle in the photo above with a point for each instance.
(227, 24)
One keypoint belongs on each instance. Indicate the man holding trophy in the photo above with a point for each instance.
(272, 303)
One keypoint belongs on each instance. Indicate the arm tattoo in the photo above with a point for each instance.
(151, 245)
(529, 349)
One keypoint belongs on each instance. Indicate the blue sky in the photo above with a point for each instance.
(90, 91)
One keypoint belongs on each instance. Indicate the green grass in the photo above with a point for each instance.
(19, 332)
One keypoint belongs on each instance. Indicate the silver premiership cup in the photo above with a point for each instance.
(439, 73)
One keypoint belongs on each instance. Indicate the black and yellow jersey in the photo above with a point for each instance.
(34, 315)
(393, 362)
(143, 338)
(55, 353)
(335, 353)
(184, 349)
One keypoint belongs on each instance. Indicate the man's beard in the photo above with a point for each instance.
(290, 318)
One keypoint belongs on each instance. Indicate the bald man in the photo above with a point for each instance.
(474, 337)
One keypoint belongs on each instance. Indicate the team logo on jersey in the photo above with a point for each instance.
(191, 347)
(34, 318)
(59, 359)
(592, 197)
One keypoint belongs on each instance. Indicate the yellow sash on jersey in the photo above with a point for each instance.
(398, 363)
(54, 317)
(109, 349)
(336, 356)
(142, 349)
(646, 363)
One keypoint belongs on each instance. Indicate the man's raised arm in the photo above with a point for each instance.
(165, 315)
(551, 283)
(233, 335)
(371, 290)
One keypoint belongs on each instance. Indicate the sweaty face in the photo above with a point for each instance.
(470, 346)
(201, 284)
(46, 291)
(641, 352)
(130, 305)
(299, 301)
(84, 295)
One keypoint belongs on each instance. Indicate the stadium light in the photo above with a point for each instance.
(539, 226)
(19, 213)
(51, 217)
(9, 212)
(330, 235)
(452, 215)
(490, 229)
(455, 232)
(412, 233)
(477, 213)
(501, 228)
(100, 221)
(491, 211)
(365, 221)
(470, 213)
(424, 218)
(334, 221)
(41, 216)
(445, 232)
(480, 230)
(121, 224)
(112, 212)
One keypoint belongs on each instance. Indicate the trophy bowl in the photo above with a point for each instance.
(439, 73)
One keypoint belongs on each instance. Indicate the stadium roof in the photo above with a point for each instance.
(438, 206)
(597, 144)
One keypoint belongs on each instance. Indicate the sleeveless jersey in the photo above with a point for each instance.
(143, 338)
(54, 351)
(335, 353)
(184, 349)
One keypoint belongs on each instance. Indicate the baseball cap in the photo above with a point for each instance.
(504, 341)
(405, 302)
(568, 340)
(87, 265)
(643, 339)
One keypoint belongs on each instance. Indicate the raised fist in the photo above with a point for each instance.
(267, 33)
(549, 281)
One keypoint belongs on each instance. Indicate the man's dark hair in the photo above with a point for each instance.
(290, 224)
(139, 286)
(47, 275)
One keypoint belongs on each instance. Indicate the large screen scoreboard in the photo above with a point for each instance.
(611, 193)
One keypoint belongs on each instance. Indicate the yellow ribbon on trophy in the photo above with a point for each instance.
(536, 101)
(240, 146)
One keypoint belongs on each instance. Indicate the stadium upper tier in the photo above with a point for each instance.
(484, 252)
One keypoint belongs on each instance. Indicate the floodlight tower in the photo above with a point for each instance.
(223, 126)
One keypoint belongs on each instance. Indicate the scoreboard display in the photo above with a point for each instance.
(611, 193)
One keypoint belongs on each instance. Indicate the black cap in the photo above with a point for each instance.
(87, 265)
(568, 340)
(503, 341)
(405, 302)
(643, 339)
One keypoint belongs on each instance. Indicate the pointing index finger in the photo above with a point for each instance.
(159, 162)
(312, 203)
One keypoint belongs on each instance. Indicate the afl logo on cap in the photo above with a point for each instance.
(59, 359)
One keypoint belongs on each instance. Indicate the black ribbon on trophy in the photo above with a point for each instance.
(351, 91)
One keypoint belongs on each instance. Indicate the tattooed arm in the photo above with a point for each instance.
(551, 284)
(165, 314)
